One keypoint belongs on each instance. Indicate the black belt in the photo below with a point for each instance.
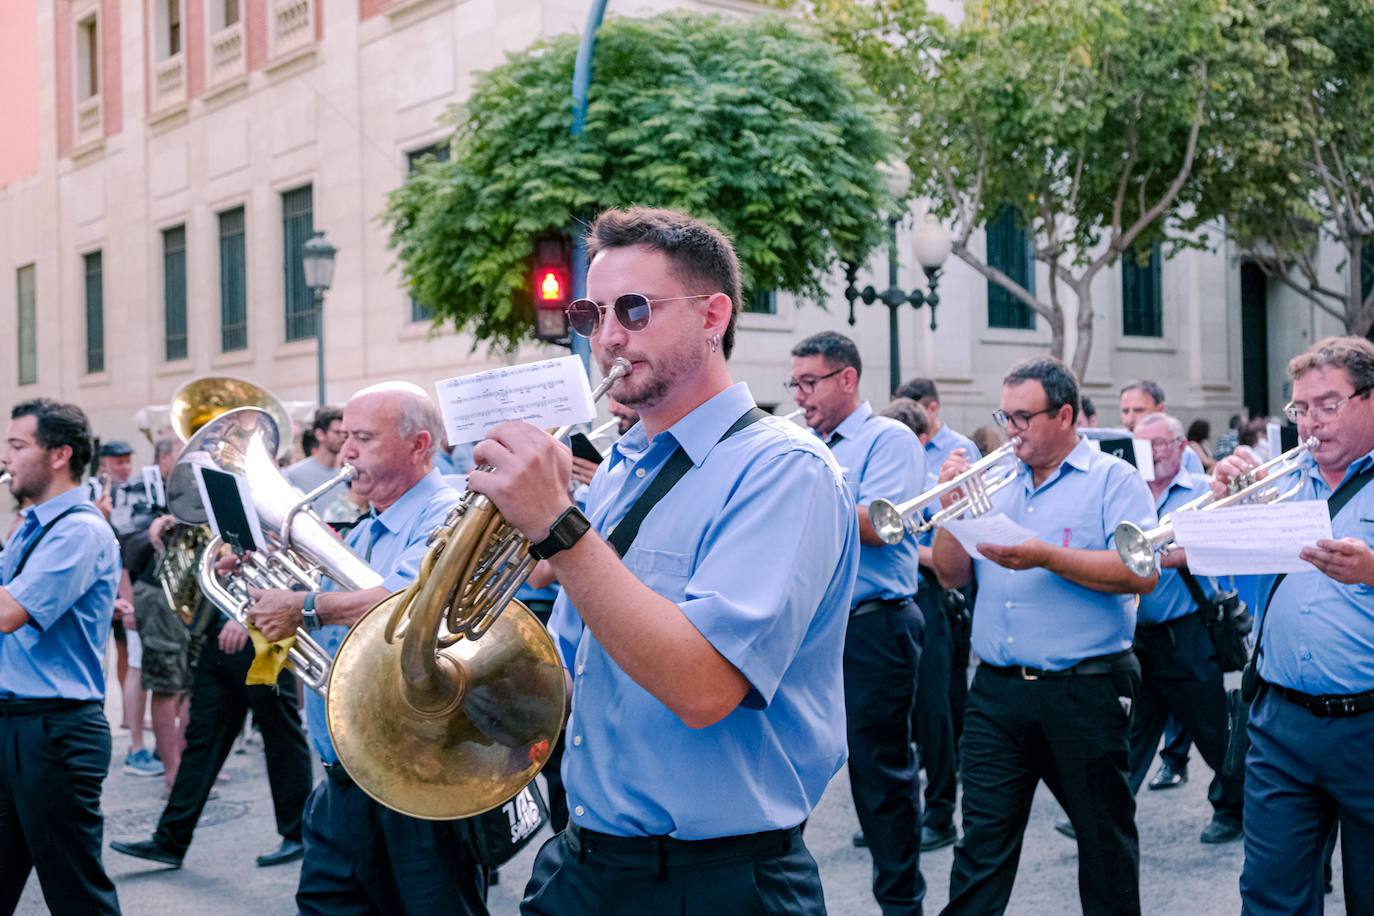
(1101, 664)
(663, 852)
(20, 706)
(873, 605)
(1329, 705)
(1164, 627)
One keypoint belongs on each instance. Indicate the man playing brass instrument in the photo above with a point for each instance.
(706, 715)
(360, 856)
(1052, 624)
(1312, 725)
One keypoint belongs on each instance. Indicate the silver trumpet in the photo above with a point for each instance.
(979, 482)
(1257, 486)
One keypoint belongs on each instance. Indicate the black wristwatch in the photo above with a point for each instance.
(567, 531)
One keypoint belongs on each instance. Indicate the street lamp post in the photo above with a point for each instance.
(931, 245)
(317, 258)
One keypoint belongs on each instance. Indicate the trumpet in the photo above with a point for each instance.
(1257, 486)
(793, 415)
(979, 482)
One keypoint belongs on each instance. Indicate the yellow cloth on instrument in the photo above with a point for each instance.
(268, 657)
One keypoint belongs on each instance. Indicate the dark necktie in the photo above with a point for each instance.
(373, 524)
(834, 438)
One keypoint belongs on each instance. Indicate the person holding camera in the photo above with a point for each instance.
(1179, 667)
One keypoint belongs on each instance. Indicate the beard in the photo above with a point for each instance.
(652, 379)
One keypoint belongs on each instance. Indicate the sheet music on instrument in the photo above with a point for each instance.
(152, 485)
(1252, 540)
(993, 528)
(551, 392)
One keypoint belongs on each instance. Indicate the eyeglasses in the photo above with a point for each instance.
(807, 383)
(631, 310)
(1326, 411)
(1021, 418)
(1160, 445)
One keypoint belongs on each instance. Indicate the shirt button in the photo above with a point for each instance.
(1008, 605)
(579, 811)
(577, 740)
(1011, 639)
(639, 472)
(581, 668)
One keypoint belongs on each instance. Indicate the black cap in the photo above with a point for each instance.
(115, 447)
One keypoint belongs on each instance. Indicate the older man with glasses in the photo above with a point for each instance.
(1052, 624)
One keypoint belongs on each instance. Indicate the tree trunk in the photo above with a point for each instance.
(1082, 348)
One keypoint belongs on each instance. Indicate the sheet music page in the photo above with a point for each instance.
(152, 485)
(551, 392)
(993, 528)
(1252, 540)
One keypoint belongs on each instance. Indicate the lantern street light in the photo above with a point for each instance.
(317, 258)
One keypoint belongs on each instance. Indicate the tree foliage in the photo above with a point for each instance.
(759, 126)
(1100, 124)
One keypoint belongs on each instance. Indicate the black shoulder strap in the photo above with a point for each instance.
(1199, 597)
(41, 534)
(668, 475)
(1344, 493)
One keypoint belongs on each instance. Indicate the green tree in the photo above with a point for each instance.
(1314, 182)
(1100, 124)
(758, 125)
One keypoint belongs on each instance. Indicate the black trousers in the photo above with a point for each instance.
(363, 858)
(52, 766)
(1180, 676)
(1070, 732)
(882, 654)
(577, 876)
(219, 703)
(934, 719)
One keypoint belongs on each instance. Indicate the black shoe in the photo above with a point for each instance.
(1219, 831)
(147, 849)
(1168, 777)
(860, 840)
(938, 837)
(288, 851)
(1066, 828)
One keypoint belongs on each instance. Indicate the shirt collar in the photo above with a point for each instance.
(698, 432)
(849, 426)
(945, 437)
(408, 506)
(1182, 481)
(1078, 458)
(47, 511)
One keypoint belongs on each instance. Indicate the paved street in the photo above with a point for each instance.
(1178, 874)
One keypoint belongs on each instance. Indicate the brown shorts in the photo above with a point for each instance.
(166, 641)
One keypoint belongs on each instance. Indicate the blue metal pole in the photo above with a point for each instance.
(582, 80)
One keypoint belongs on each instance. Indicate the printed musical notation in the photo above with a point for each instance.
(1251, 540)
(551, 392)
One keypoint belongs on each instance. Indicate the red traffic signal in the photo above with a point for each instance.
(551, 288)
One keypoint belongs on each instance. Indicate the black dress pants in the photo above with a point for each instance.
(882, 654)
(52, 766)
(1180, 676)
(1070, 732)
(219, 703)
(934, 719)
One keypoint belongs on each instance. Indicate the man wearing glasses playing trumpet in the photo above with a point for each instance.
(1311, 726)
(1052, 624)
(707, 691)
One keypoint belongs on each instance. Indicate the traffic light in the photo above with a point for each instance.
(551, 286)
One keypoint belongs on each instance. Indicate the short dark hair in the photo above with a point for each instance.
(1056, 378)
(702, 258)
(59, 424)
(835, 347)
(324, 416)
(309, 442)
(918, 389)
(1089, 408)
(1149, 386)
(1199, 431)
(1353, 354)
(910, 412)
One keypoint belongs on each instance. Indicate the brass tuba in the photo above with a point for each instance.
(446, 698)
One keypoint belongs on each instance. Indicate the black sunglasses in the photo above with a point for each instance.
(632, 310)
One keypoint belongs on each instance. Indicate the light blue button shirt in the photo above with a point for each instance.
(1170, 598)
(881, 457)
(1320, 637)
(940, 446)
(68, 589)
(1035, 618)
(398, 540)
(758, 545)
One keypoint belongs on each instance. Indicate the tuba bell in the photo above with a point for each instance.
(446, 698)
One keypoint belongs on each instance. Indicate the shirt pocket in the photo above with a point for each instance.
(664, 571)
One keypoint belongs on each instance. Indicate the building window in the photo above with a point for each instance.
(174, 290)
(87, 59)
(1142, 309)
(297, 224)
(171, 31)
(419, 311)
(95, 314)
(233, 288)
(1010, 252)
(28, 331)
(764, 302)
(223, 13)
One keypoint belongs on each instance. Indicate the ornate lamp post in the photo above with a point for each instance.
(317, 258)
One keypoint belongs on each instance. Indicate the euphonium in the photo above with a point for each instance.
(446, 698)
(177, 569)
(1137, 547)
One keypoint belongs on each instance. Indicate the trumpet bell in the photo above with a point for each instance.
(457, 761)
(1136, 549)
(887, 521)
